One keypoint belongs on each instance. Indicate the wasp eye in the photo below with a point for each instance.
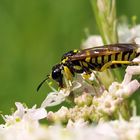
(57, 75)
(56, 72)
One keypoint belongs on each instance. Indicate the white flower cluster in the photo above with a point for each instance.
(24, 124)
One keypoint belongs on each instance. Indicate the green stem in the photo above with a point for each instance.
(105, 16)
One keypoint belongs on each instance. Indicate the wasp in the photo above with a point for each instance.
(92, 59)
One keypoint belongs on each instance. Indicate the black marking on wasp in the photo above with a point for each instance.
(96, 58)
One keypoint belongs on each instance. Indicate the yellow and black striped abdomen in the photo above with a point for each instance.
(96, 63)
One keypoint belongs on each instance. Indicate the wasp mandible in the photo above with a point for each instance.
(96, 58)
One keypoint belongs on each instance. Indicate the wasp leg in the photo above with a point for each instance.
(108, 64)
(86, 76)
(87, 73)
(68, 73)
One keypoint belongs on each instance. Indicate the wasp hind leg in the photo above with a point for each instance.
(109, 64)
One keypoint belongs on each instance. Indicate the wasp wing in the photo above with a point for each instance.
(103, 50)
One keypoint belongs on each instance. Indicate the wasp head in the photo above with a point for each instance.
(57, 74)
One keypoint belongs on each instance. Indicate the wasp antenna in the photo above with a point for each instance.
(39, 86)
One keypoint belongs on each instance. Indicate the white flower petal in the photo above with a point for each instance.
(127, 35)
(130, 71)
(92, 76)
(78, 124)
(137, 40)
(92, 41)
(124, 33)
(20, 110)
(133, 70)
(53, 98)
(127, 79)
(36, 114)
(106, 130)
(131, 88)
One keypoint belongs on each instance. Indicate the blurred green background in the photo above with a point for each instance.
(33, 36)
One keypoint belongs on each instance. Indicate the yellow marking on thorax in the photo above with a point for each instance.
(64, 60)
(75, 51)
(67, 73)
(88, 59)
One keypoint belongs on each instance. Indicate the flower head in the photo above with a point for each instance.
(23, 114)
